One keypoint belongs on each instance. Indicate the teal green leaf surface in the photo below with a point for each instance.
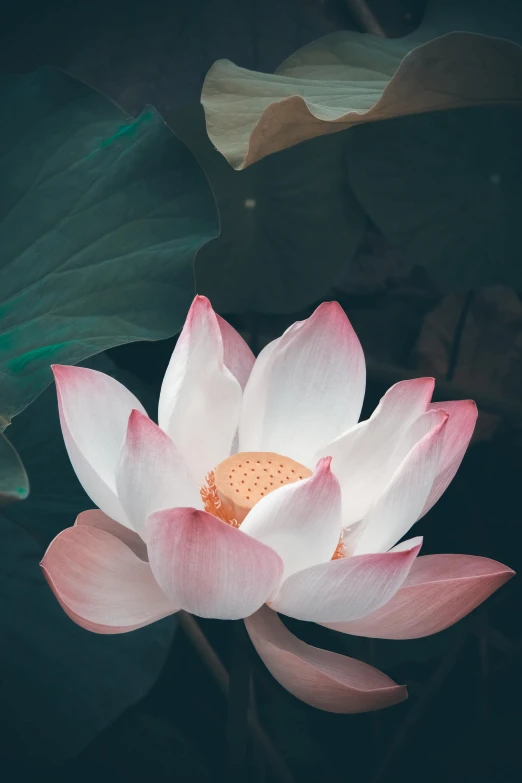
(101, 216)
(60, 685)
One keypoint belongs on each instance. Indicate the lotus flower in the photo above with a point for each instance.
(258, 493)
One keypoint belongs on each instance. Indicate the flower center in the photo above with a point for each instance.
(239, 482)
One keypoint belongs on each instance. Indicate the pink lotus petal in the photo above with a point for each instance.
(459, 429)
(306, 387)
(323, 679)
(237, 356)
(96, 518)
(151, 473)
(346, 589)
(300, 521)
(439, 591)
(101, 584)
(200, 399)
(403, 499)
(365, 458)
(208, 567)
(94, 410)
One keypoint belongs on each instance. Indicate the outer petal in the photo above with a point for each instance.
(439, 591)
(300, 521)
(94, 410)
(151, 474)
(200, 399)
(306, 387)
(405, 496)
(101, 584)
(362, 457)
(208, 567)
(346, 589)
(459, 429)
(96, 518)
(320, 678)
(236, 354)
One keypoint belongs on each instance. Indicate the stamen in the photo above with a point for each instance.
(212, 502)
(340, 551)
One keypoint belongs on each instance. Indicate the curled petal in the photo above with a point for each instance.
(94, 410)
(208, 567)
(459, 429)
(346, 589)
(403, 499)
(96, 518)
(200, 399)
(236, 354)
(365, 458)
(101, 584)
(300, 521)
(306, 387)
(323, 679)
(151, 473)
(439, 591)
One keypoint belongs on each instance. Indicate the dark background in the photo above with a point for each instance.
(462, 720)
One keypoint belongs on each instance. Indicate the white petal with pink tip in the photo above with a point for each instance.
(439, 591)
(364, 458)
(300, 521)
(306, 388)
(403, 499)
(208, 567)
(200, 399)
(346, 589)
(94, 411)
(151, 473)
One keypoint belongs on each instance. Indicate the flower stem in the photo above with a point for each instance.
(278, 767)
(238, 703)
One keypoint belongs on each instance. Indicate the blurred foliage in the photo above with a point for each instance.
(446, 190)
(14, 484)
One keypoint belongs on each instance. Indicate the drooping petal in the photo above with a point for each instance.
(439, 591)
(399, 506)
(323, 679)
(346, 589)
(300, 521)
(306, 387)
(362, 457)
(101, 584)
(151, 473)
(459, 429)
(236, 354)
(200, 399)
(94, 410)
(208, 567)
(96, 518)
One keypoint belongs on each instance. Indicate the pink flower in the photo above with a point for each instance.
(258, 492)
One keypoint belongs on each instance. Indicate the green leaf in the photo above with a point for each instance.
(14, 484)
(451, 198)
(281, 221)
(100, 219)
(347, 78)
(60, 685)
